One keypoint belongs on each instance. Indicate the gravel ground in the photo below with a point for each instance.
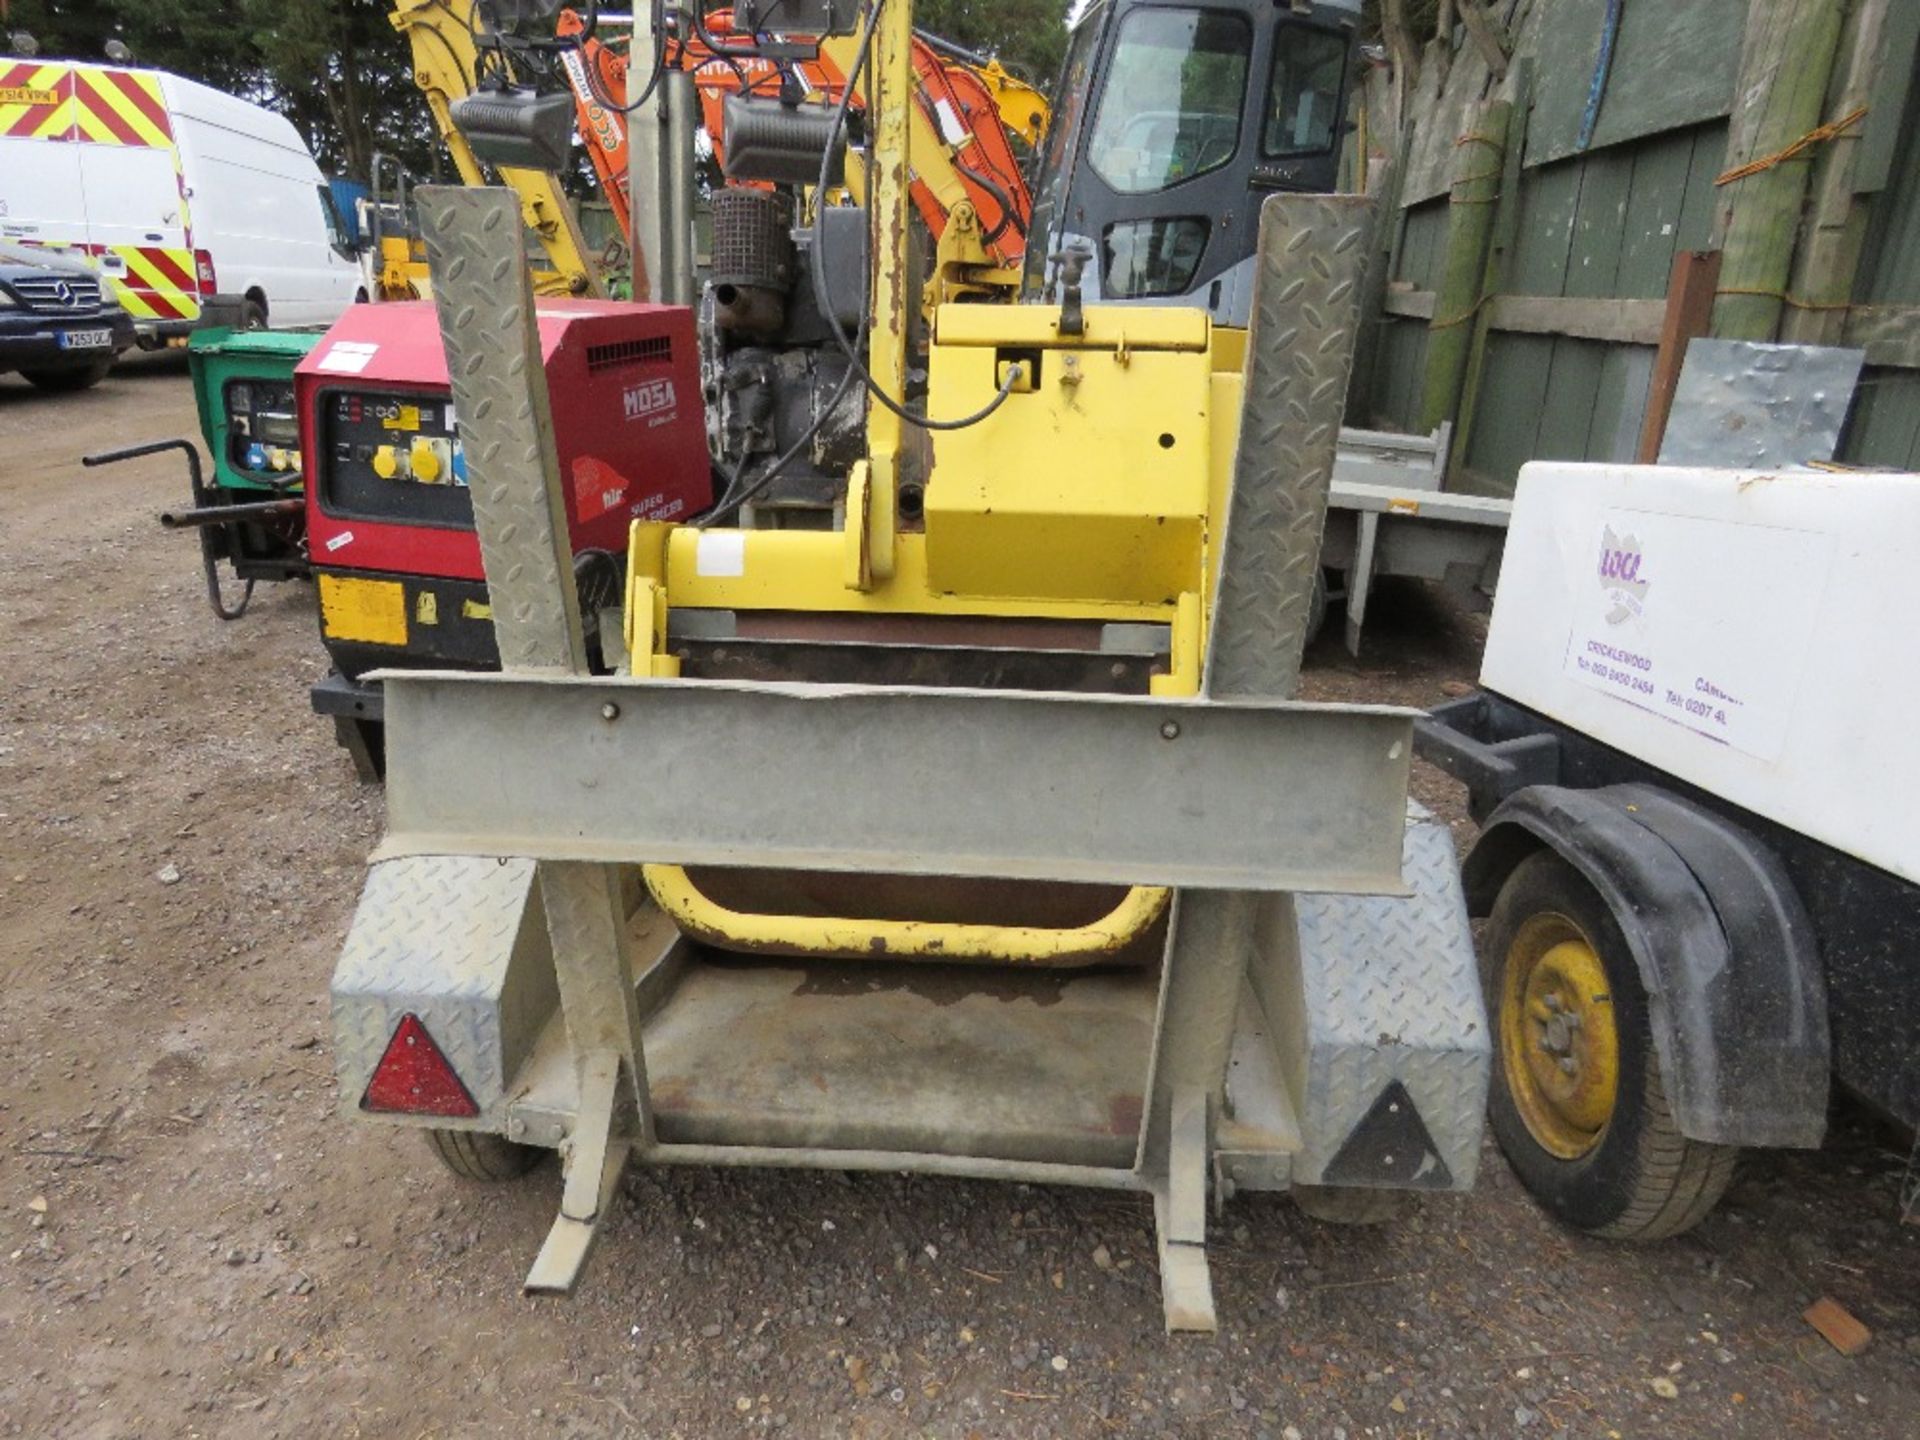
(192, 1243)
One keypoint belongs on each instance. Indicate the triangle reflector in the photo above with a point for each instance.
(414, 1078)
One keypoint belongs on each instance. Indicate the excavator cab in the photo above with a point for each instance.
(1173, 123)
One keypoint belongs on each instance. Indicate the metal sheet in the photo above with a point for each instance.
(1306, 311)
(1742, 405)
(818, 1061)
(485, 300)
(1108, 789)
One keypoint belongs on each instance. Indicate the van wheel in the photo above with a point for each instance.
(60, 382)
(482, 1155)
(1577, 1103)
(256, 316)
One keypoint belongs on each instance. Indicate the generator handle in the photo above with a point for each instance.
(221, 514)
(154, 447)
(203, 499)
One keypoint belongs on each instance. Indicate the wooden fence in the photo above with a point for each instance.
(1561, 219)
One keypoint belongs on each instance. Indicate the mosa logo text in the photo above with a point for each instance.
(653, 400)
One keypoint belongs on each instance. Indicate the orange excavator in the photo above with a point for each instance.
(970, 108)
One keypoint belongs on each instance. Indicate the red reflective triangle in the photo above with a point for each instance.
(414, 1078)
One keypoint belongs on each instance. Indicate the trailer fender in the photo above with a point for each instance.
(1736, 995)
(457, 946)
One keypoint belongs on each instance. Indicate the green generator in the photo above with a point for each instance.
(251, 513)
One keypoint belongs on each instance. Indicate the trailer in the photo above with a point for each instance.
(1700, 856)
(995, 846)
(1390, 515)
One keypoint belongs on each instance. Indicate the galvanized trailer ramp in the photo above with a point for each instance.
(1314, 1020)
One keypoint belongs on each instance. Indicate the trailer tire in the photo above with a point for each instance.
(481, 1155)
(1608, 1158)
(1351, 1204)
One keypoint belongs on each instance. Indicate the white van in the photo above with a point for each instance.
(174, 190)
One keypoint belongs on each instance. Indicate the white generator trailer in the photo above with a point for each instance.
(1700, 854)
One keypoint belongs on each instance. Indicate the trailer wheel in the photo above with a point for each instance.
(1577, 1100)
(482, 1155)
(1351, 1204)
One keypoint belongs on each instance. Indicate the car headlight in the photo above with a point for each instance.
(7, 302)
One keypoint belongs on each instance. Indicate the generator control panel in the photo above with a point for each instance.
(263, 428)
(387, 472)
(393, 454)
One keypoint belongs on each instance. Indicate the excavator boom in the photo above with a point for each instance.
(446, 67)
(961, 146)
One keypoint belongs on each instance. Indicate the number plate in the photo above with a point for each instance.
(85, 339)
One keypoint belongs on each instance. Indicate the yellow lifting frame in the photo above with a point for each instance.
(1038, 946)
(809, 571)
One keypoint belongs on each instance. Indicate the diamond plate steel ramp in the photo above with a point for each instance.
(1306, 313)
(485, 299)
(459, 942)
(487, 323)
(1384, 992)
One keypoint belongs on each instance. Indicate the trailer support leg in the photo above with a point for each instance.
(1360, 577)
(593, 1161)
(586, 921)
(1180, 1218)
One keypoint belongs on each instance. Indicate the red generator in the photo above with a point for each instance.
(389, 516)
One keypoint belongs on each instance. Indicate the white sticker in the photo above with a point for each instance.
(348, 357)
(1705, 624)
(345, 537)
(720, 553)
(952, 127)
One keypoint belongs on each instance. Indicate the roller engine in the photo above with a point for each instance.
(774, 377)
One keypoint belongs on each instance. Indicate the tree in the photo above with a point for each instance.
(341, 73)
(1030, 36)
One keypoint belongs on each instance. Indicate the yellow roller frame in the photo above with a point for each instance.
(1037, 946)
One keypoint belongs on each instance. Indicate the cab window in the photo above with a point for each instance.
(1147, 258)
(1062, 134)
(337, 235)
(1170, 104)
(1303, 100)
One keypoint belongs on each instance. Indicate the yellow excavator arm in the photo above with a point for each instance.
(1023, 109)
(444, 59)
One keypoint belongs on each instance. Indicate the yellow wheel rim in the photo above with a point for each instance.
(1558, 1041)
